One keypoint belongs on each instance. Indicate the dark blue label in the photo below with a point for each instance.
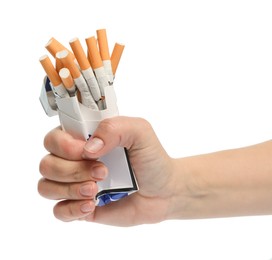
(109, 197)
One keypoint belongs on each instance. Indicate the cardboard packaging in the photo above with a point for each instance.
(81, 122)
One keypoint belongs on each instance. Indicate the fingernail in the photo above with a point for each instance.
(94, 145)
(86, 190)
(87, 207)
(99, 172)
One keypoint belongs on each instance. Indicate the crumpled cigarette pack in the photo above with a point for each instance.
(81, 121)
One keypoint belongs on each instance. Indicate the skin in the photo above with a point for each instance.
(228, 183)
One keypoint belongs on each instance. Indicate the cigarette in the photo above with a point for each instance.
(58, 65)
(97, 64)
(79, 54)
(103, 44)
(53, 76)
(86, 68)
(68, 62)
(116, 56)
(104, 52)
(67, 80)
(50, 70)
(54, 46)
(93, 52)
(88, 56)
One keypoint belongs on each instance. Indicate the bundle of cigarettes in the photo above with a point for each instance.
(88, 73)
(78, 87)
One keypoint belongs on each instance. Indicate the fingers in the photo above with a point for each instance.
(126, 132)
(62, 144)
(120, 131)
(70, 191)
(118, 213)
(61, 170)
(72, 180)
(74, 210)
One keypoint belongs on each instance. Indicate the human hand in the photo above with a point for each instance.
(70, 173)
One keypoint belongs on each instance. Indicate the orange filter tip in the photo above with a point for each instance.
(103, 44)
(68, 62)
(50, 70)
(116, 56)
(66, 78)
(93, 53)
(54, 46)
(79, 54)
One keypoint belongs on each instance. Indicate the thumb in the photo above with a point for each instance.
(119, 131)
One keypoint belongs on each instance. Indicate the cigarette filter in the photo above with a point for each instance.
(54, 46)
(67, 80)
(93, 52)
(116, 56)
(79, 54)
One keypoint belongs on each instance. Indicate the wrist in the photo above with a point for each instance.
(189, 192)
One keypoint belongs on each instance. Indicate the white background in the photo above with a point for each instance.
(199, 71)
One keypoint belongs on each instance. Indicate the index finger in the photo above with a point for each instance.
(62, 144)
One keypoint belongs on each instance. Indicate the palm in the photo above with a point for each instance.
(149, 204)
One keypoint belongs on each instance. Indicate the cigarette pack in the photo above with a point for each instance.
(81, 122)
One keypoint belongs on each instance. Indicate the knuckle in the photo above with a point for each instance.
(77, 175)
(70, 192)
(80, 170)
(143, 123)
(64, 211)
(47, 141)
(57, 211)
(40, 187)
(70, 212)
(50, 139)
(44, 165)
(68, 147)
(108, 125)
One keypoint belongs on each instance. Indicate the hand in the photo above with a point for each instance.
(71, 170)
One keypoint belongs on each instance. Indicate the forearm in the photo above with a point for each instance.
(228, 183)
